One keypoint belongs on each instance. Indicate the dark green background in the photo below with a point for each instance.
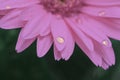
(27, 66)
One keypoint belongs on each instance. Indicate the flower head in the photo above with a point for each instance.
(89, 23)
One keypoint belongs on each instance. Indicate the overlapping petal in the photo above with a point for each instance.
(22, 43)
(11, 20)
(37, 22)
(106, 53)
(90, 27)
(94, 57)
(85, 43)
(103, 55)
(102, 2)
(43, 45)
(102, 11)
(110, 29)
(11, 4)
(60, 30)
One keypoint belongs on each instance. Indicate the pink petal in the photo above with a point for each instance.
(110, 29)
(42, 28)
(29, 27)
(68, 50)
(90, 27)
(102, 2)
(12, 14)
(93, 56)
(43, 45)
(22, 43)
(10, 4)
(80, 35)
(105, 66)
(106, 53)
(101, 52)
(57, 54)
(109, 11)
(31, 12)
(35, 26)
(45, 26)
(12, 24)
(11, 20)
(59, 30)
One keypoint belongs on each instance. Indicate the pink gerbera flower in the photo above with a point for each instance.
(89, 23)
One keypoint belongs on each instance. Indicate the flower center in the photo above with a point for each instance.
(62, 7)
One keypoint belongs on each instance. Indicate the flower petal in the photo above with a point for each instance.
(37, 26)
(43, 45)
(10, 4)
(41, 27)
(68, 50)
(93, 56)
(102, 2)
(80, 34)
(110, 29)
(106, 53)
(60, 33)
(109, 11)
(22, 43)
(57, 54)
(105, 66)
(11, 20)
(90, 27)
(12, 24)
(29, 27)
(32, 11)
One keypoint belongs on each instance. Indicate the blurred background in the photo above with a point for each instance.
(27, 66)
